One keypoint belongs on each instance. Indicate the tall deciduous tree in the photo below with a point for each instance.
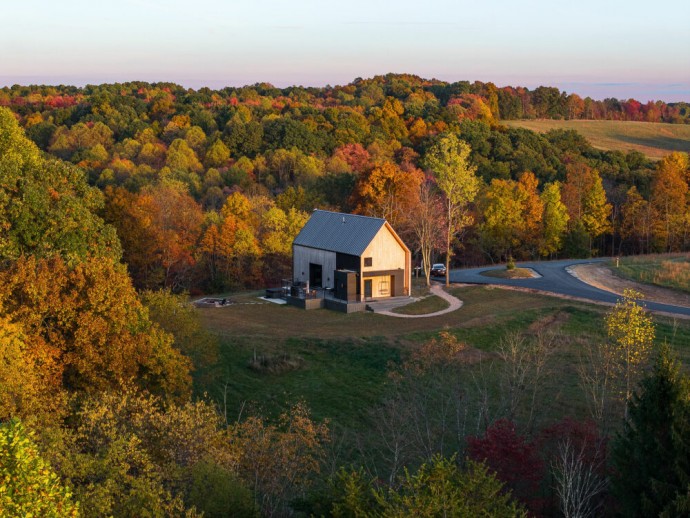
(583, 193)
(217, 155)
(277, 232)
(669, 200)
(631, 335)
(638, 219)
(159, 229)
(425, 221)
(512, 214)
(449, 159)
(230, 246)
(555, 219)
(182, 157)
(501, 212)
(532, 212)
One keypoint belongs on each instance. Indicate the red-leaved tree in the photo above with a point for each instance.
(512, 457)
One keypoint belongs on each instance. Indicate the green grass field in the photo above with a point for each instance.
(653, 139)
(429, 304)
(665, 270)
(339, 364)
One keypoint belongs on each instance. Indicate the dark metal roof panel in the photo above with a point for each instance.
(338, 232)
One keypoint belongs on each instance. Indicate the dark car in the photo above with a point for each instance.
(438, 270)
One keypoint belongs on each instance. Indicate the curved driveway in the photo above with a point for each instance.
(436, 289)
(555, 279)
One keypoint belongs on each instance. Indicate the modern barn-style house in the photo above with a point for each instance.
(352, 259)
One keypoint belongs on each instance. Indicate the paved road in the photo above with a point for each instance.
(555, 279)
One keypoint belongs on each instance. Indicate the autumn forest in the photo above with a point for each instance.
(119, 201)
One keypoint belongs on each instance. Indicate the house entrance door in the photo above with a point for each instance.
(315, 275)
(367, 289)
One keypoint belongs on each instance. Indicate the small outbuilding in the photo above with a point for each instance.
(352, 258)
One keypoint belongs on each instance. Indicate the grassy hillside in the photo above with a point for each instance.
(272, 356)
(655, 140)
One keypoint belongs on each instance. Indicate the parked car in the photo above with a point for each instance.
(438, 270)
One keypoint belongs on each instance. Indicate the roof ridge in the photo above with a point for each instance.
(339, 231)
(349, 214)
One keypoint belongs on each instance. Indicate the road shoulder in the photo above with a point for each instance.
(600, 276)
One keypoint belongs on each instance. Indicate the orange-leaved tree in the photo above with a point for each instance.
(584, 196)
(388, 192)
(425, 220)
(29, 386)
(159, 229)
(638, 218)
(669, 201)
(86, 330)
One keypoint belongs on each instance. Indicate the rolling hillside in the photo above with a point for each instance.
(651, 138)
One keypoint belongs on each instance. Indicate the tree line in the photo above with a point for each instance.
(243, 167)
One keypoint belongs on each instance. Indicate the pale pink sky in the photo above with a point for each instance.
(609, 48)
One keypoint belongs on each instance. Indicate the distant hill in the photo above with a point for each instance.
(654, 139)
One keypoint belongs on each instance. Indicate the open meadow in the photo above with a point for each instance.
(655, 140)
(665, 270)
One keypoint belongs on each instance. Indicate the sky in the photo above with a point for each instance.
(598, 48)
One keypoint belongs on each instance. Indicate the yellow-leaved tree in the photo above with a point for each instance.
(28, 484)
(631, 335)
(449, 159)
(555, 219)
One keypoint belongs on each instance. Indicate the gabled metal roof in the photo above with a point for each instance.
(339, 232)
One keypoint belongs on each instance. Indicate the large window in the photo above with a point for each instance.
(384, 288)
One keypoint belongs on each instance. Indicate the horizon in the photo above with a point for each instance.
(599, 50)
(675, 93)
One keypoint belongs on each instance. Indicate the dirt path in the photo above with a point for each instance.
(601, 276)
(435, 289)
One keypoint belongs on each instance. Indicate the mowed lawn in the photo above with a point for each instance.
(340, 364)
(654, 139)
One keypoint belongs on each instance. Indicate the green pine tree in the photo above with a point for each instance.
(651, 455)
